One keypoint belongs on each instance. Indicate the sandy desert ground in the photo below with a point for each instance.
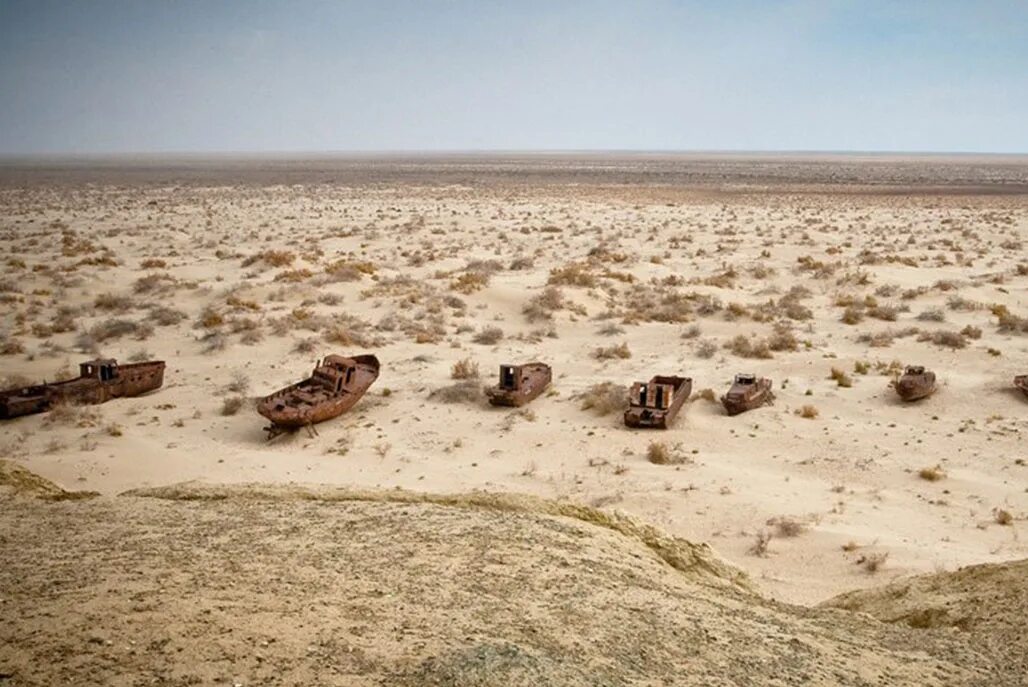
(826, 274)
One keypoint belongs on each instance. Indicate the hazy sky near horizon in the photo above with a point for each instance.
(312, 75)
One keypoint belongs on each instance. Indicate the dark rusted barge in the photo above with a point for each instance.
(520, 384)
(656, 403)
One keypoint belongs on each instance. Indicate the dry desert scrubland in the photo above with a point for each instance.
(330, 562)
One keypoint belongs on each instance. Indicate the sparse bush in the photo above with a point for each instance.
(705, 349)
(465, 391)
(1002, 517)
(932, 315)
(873, 562)
(113, 302)
(659, 453)
(605, 398)
(760, 543)
(488, 336)
(786, 526)
(932, 474)
(840, 378)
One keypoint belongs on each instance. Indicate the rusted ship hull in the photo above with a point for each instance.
(133, 379)
(309, 402)
(740, 399)
(520, 384)
(652, 414)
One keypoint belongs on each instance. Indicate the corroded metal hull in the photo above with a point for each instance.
(520, 384)
(653, 412)
(88, 388)
(332, 389)
(743, 396)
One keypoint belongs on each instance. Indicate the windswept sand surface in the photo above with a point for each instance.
(288, 586)
(242, 279)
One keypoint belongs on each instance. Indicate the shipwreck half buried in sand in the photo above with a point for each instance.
(655, 404)
(334, 387)
(915, 383)
(746, 393)
(520, 384)
(98, 381)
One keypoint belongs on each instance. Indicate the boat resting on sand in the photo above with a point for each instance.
(334, 387)
(98, 381)
(746, 393)
(520, 384)
(915, 383)
(656, 403)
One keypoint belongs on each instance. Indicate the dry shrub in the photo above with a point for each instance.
(114, 429)
(782, 338)
(786, 526)
(611, 352)
(852, 315)
(749, 347)
(470, 282)
(572, 274)
(306, 346)
(760, 543)
(888, 313)
(11, 347)
(464, 369)
(705, 349)
(154, 283)
(232, 405)
(465, 391)
(488, 336)
(294, 276)
(1002, 517)
(932, 474)
(152, 264)
(164, 316)
(605, 398)
(840, 378)
(808, 411)
(660, 453)
(543, 305)
(115, 329)
(113, 302)
(932, 315)
(873, 562)
(707, 394)
(971, 332)
(271, 258)
(946, 339)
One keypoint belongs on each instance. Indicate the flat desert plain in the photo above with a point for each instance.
(827, 274)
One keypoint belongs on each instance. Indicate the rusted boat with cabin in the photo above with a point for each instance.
(746, 393)
(915, 383)
(520, 384)
(656, 403)
(98, 382)
(335, 386)
(1021, 382)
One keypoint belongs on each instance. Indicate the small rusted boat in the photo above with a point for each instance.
(915, 383)
(1021, 382)
(520, 384)
(746, 393)
(334, 387)
(655, 404)
(98, 381)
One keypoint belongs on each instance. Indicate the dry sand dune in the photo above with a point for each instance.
(824, 273)
(273, 585)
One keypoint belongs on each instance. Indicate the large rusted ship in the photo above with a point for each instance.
(334, 387)
(520, 384)
(915, 383)
(656, 403)
(746, 393)
(98, 381)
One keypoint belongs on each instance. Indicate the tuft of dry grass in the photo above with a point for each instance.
(786, 526)
(464, 391)
(932, 474)
(840, 378)
(464, 369)
(872, 562)
(808, 411)
(611, 352)
(760, 544)
(1002, 517)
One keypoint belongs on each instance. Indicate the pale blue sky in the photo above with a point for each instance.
(252, 75)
